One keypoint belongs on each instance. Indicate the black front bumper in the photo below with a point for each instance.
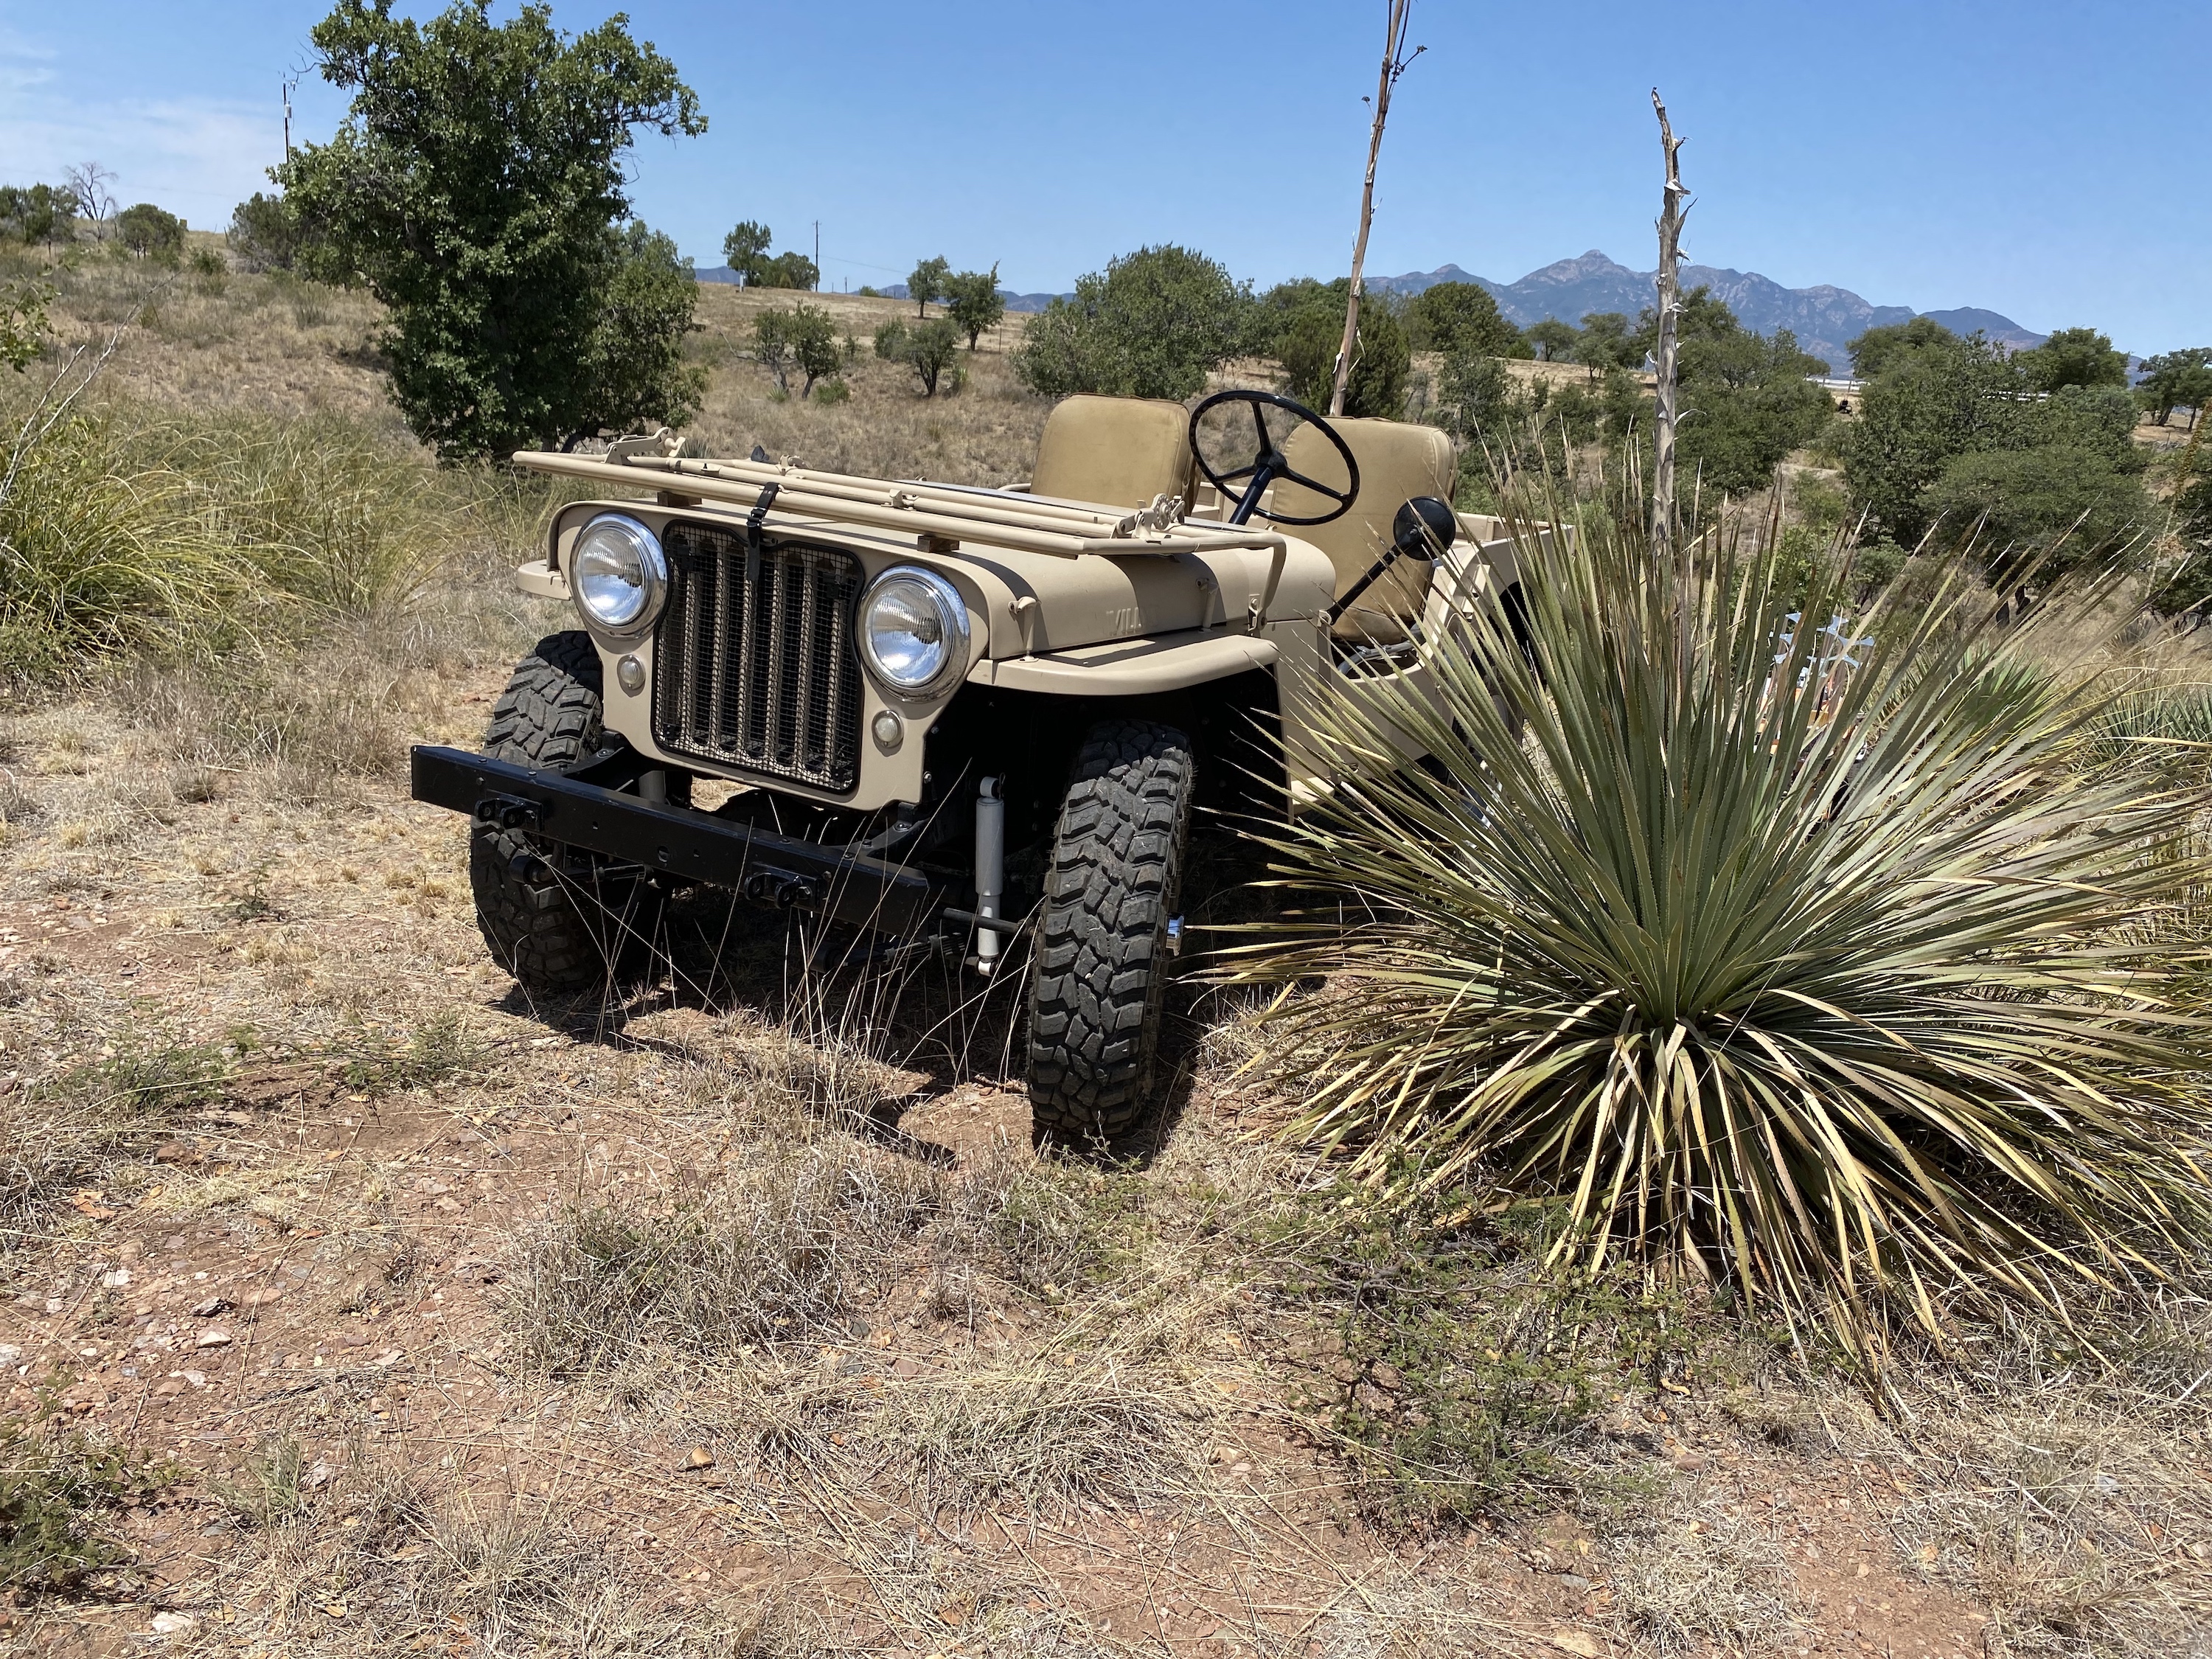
(574, 811)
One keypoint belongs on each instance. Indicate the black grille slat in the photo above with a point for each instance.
(753, 664)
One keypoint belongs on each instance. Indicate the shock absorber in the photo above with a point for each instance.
(990, 870)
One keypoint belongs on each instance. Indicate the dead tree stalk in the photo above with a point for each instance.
(1670, 304)
(1395, 61)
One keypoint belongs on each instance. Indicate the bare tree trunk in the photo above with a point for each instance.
(1670, 305)
(1394, 65)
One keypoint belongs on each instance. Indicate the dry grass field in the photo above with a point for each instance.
(361, 1307)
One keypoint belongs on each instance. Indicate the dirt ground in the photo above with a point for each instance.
(322, 1258)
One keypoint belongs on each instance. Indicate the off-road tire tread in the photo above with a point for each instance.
(549, 715)
(1101, 964)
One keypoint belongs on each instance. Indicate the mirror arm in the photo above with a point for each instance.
(1328, 618)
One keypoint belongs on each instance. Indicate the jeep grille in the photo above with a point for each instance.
(753, 661)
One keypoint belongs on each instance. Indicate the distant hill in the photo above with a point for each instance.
(1822, 318)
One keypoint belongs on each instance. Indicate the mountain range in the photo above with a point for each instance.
(1823, 318)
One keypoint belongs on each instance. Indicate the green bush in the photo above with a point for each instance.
(1830, 985)
(926, 348)
(264, 232)
(1154, 324)
(1460, 319)
(60, 1494)
(1381, 361)
(151, 232)
(23, 322)
(476, 187)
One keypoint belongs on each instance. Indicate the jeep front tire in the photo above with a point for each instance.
(1104, 947)
(553, 917)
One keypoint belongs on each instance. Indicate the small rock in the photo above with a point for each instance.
(172, 1624)
(213, 1337)
(1574, 1642)
(1386, 1376)
(1367, 1396)
(1688, 1462)
(176, 1152)
(1575, 1582)
(1344, 1371)
(263, 1296)
(211, 1307)
(905, 1369)
(11, 1354)
(116, 1280)
(318, 1476)
(699, 1458)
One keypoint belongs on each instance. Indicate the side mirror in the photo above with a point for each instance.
(1424, 528)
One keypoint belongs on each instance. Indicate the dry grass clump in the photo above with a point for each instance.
(2057, 1476)
(63, 1133)
(775, 1252)
(374, 1558)
(1094, 1421)
(1682, 1580)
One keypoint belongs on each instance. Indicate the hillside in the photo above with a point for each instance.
(1824, 319)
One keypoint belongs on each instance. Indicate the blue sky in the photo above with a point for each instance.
(2044, 160)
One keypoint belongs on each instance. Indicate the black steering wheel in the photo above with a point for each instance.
(1247, 484)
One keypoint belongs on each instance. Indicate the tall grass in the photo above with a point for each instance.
(128, 531)
(1836, 986)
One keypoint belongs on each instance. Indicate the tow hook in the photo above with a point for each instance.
(781, 888)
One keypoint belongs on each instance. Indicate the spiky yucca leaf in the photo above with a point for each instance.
(1805, 977)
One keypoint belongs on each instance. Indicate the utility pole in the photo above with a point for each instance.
(289, 81)
(1394, 62)
(1670, 306)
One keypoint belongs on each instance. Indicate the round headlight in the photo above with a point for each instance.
(618, 575)
(914, 630)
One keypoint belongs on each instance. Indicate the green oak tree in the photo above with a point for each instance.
(973, 302)
(927, 282)
(745, 251)
(477, 188)
(2074, 357)
(1553, 340)
(2177, 379)
(1460, 317)
(1152, 325)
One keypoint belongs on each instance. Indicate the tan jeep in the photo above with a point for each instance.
(922, 686)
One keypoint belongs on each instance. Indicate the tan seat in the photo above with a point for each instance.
(1117, 451)
(1397, 462)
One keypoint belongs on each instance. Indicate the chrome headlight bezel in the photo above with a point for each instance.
(652, 576)
(953, 622)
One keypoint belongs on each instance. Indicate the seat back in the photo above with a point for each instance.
(1396, 463)
(1117, 451)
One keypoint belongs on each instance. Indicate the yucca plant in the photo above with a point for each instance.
(1805, 961)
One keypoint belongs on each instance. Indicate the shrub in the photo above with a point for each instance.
(476, 187)
(972, 299)
(23, 322)
(1819, 983)
(926, 348)
(1381, 362)
(150, 233)
(1458, 319)
(927, 281)
(1152, 324)
(39, 213)
(59, 1494)
(264, 232)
